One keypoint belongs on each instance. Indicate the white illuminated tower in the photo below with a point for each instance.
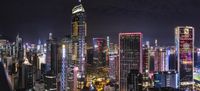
(79, 32)
(64, 70)
(66, 59)
(184, 39)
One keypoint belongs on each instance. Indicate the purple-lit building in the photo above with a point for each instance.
(184, 39)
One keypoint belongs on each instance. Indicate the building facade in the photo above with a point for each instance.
(184, 39)
(130, 56)
(166, 79)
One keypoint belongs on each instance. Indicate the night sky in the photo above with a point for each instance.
(156, 19)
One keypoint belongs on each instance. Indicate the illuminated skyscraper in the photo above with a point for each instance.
(145, 58)
(130, 56)
(113, 61)
(171, 58)
(160, 59)
(184, 39)
(66, 60)
(79, 32)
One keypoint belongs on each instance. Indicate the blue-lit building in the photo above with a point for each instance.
(166, 79)
(66, 60)
(197, 66)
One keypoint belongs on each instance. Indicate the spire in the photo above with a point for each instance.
(50, 36)
(39, 42)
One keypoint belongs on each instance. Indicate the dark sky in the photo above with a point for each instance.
(34, 19)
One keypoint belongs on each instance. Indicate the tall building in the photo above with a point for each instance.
(160, 59)
(130, 56)
(171, 58)
(51, 55)
(113, 61)
(28, 75)
(151, 60)
(100, 47)
(63, 80)
(20, 57)
(79, 33)
(197, 66)
(184, 39)
(145, 58)
(66, 61)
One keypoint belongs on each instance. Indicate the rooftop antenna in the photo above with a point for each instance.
(156, 42)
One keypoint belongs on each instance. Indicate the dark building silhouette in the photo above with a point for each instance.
(20, 57)
(134, 81)
(28, 75)
(4, 84)
(51, 56)
(50, 82)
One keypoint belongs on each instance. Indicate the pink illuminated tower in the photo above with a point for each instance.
(130, 56)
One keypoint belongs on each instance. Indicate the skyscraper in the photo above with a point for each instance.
(184, 39)
(51, 56)
(20, 58)
(28, 75)
(79, 32)
(113, 61)
(145, 58)
(130, 56)
(66, 61)
(160, 59)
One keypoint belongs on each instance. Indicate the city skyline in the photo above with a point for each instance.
(103, 45)
(156, 20)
